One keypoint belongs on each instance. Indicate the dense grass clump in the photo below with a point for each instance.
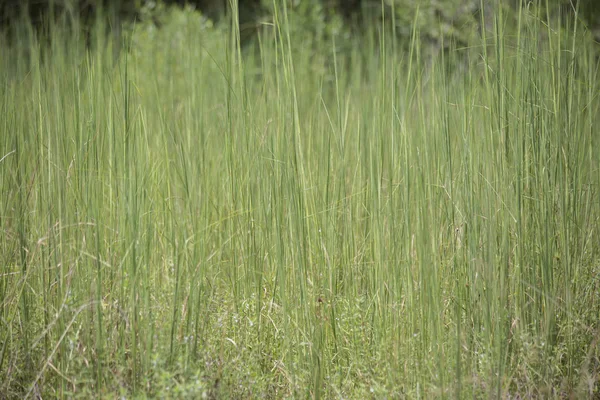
(331, 217)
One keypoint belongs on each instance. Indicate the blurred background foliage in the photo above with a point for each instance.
(435, 19)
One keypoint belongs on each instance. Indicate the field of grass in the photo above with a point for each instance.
(305, 216)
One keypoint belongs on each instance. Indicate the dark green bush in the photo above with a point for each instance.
(435, 19)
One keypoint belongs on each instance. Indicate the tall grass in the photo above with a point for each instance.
(332, 217)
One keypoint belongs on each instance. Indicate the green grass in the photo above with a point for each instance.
(331, 217)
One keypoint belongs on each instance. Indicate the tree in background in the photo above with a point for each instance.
(435, 19)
